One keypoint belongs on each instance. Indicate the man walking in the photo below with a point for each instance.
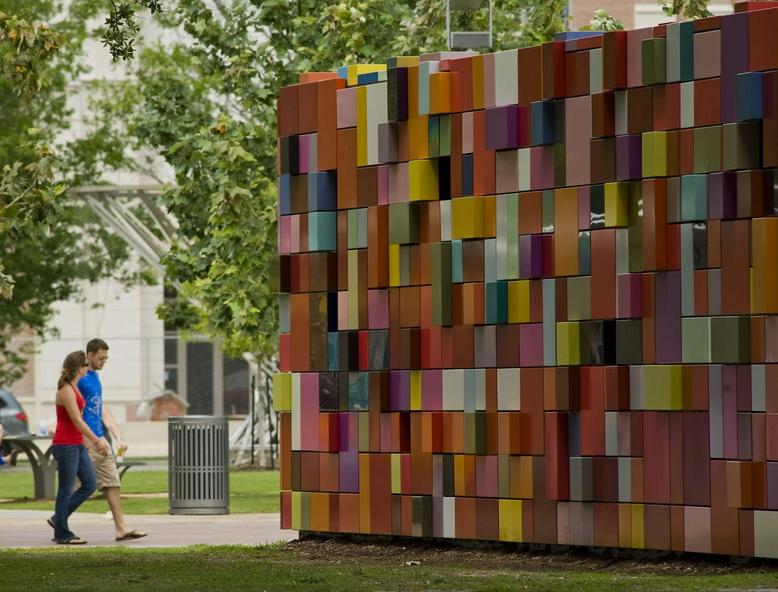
(95, 414)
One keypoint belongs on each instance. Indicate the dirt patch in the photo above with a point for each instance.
(510, 557)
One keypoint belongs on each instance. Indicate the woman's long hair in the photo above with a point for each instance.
(70, 367)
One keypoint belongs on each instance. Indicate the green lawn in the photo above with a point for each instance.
(286, 567)
(250, 491)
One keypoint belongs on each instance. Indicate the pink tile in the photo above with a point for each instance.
(578, 133)
(378, 309)
(531, 344)
(285, 234)
(467, 132)
(432, 390)
(486, 476)
(507, 171)
(294, 233)
(398, 183)
(347, 107)
(634, 56)
(630, 290)
(309, 411)
(304, 153)
(383, 185)
(541, 167)
(696, 529)
(563, 523)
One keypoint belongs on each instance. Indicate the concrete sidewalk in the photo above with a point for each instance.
(28, 528)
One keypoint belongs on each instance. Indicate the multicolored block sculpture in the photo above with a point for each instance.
(533, 295)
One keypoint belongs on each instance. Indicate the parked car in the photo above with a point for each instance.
(12, 415)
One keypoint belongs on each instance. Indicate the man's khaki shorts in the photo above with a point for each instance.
(105, 469)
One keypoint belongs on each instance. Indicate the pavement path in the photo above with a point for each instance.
(28, 528)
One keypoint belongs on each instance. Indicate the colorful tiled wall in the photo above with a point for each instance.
(533, 295)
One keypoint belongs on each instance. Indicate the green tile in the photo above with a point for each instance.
(404, 223)
(730, 340)
(741, 142)
(322, 231)
(695, 340)
(653, 59)
(707, 149)
(694, 198)
(440, 263)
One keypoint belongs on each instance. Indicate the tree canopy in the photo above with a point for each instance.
(51, 243)
(205, 101)
(200, 94)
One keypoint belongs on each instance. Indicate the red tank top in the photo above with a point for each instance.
(67, 433)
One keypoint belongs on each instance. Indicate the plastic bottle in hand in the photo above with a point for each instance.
(43, 428)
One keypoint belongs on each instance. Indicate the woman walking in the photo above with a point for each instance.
(69, 451)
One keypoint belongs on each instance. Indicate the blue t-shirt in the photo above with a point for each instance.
(92, 391)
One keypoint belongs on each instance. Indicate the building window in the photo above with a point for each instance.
(236, 386)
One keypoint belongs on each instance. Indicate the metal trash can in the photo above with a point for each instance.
(198, 465)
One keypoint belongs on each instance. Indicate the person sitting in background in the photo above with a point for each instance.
(9, 459)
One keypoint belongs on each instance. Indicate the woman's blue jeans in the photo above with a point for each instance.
(72, 462)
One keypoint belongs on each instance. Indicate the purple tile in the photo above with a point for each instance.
(722, 195)
(734, 60)
(348, 473)
(502, 127)
(399, 390)
(629, 151)
(530, 256)
(667, 299)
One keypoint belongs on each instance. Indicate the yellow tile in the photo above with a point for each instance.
(423, 180)
(418, 138)
(663, 387)
(361, 126)
(282, 392)
(518, 301)
(568, 348)
(406, 61)
(394, 265)
(396, 474)
(616, 204)
(654, 154)
(638, 537)
(467, 217)
(510, 520)
(297, 509)
(415, 390)
(355, 70)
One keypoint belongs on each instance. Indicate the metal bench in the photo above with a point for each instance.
(125, 466)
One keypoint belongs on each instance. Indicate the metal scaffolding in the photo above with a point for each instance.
(468, 39)
(117, 205)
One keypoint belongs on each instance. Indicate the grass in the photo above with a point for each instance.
(250, 491)
(285, 567)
